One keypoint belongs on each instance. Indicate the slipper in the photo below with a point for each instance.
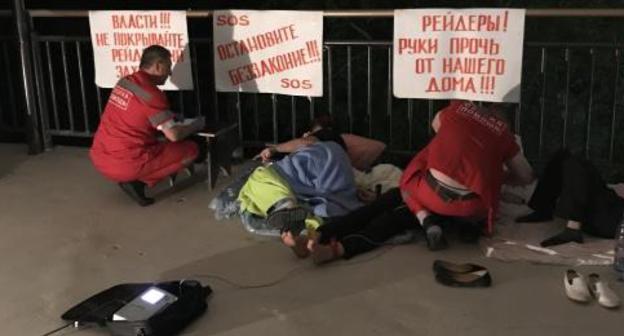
(475, 279)
(602, 292)
(440, 266)
(291, 219)
(576, 287)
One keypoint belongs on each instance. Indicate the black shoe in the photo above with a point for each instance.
(535, 217)
(136, 191)
(288, 220)
(441, 266)
(433, 233)
(475, 279)
(566, 236)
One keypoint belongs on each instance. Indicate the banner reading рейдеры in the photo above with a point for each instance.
(119, 37)
(269, 51)
(473, 54)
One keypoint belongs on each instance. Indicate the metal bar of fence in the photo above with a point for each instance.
(311, 107)
(52, 86)
(566, 112)
(70, 108)
(389, 96)
(40, 89)
(12, 103)
(181, 103)
(540, 144)
(274, 110)
(99, 99)
(369, 91)
(616, 85)
(590, 103)
(330, 91)
(410, 121)
(430, 118)
(293, 117)
(83, 95)
(349, 91)
(379, 13)
(256, 117)
(239, 116)
(196, 90)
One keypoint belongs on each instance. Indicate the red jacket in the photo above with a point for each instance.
(127, 136)
(471, 149)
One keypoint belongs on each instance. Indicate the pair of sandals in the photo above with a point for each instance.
(581, 289)
(461, 275)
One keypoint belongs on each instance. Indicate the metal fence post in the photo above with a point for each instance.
(33, 131)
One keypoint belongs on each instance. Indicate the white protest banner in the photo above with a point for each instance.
(473, 54)
(119, 37)
(269, 51)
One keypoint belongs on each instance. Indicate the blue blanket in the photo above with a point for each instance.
(321, 177)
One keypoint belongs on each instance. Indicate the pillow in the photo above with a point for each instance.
(362, 151)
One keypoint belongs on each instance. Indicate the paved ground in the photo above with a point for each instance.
(66, 233)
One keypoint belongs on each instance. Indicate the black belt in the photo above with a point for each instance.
(446, 194)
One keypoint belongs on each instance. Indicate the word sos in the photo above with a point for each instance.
(288, 83)
(232, 20)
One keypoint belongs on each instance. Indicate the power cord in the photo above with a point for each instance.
(289, 273)
(77, 322)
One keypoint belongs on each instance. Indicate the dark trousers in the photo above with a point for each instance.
(369, 226)
(572, 188)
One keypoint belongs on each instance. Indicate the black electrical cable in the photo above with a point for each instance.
(57, 329)
(288, 273)
(83, 315)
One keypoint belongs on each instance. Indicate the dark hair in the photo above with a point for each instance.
(321, 121)
(154, 54)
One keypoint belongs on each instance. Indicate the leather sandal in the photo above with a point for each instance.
(474, 279)
(440, 266)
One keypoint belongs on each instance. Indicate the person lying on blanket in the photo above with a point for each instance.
(314, 181)
(457, 177)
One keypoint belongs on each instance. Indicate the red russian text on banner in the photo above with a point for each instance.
(119, 37)
(269, 51)
(473, 54)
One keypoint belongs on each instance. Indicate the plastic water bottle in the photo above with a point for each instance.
(618, 258)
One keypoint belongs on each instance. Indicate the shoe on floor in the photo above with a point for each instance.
(136, 191)
(290, 219)
(600, 289)
(475, 279)
(440, 266)
(434, 233)
(576, 286)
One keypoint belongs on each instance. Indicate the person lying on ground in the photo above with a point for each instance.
(313, 182)
(571, 188)
(126, 147)
(457, 175)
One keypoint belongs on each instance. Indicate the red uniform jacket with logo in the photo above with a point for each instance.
(469, 147)
(127, 135)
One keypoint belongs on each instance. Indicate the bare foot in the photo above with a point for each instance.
(298, 244)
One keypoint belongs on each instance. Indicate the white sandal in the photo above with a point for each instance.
(602, 292)
(576, 287)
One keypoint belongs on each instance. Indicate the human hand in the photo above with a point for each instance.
(267, 153)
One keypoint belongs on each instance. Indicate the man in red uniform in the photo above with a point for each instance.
(457, 177)
(460, 172)
(126, 148)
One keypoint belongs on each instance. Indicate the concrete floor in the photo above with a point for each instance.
(66, 233)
